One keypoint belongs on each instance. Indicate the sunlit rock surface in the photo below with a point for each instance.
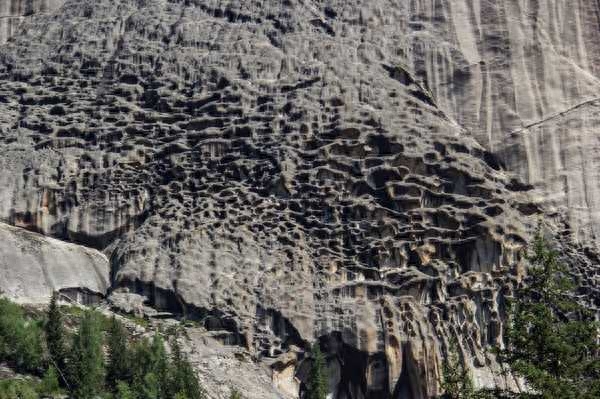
(523, 78)
(14, 12)
(287, 171)
(33, 266)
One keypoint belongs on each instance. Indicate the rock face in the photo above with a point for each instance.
(33, 266)
(14, 12)
(523, 78)
(224, 367)
(291, 171)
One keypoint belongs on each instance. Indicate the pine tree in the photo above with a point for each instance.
(124, 391)
(160, 365)
(183, 379)
(550, 337)
(55, 336)
(86, 361)
(318, 379)
(141, 364)
(151, 372)
(118, 368)
(150, 389)
(49, 384)
(141, 357)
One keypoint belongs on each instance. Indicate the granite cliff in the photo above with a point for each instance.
(366, 173)
(14, 12)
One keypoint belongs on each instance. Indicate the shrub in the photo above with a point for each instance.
(49, 384)
(17, 389)
(21, 339)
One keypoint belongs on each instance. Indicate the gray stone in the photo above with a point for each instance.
(222, 368)
(522, 77)
(33, 266)
(14, 12)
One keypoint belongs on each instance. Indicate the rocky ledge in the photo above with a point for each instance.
(33, 266)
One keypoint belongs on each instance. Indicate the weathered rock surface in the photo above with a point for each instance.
(33, 266)
(287, 171)
(523, 77)
(14, 12)
(223, 368)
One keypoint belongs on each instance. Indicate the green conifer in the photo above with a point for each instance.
(160, 365)
(56, 338)
(86, 360)
(183, 379)
(49, 384)
(124, 391)
(551, 338)
(318, 379)
(150, 388)
(118, 367)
